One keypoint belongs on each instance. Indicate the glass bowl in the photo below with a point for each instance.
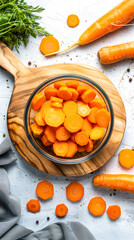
(47, 151)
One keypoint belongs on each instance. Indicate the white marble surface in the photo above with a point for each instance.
(23, 177)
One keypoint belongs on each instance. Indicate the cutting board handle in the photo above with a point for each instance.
(10, 62)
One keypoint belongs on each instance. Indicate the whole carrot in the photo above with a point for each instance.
(122, 182)
(112, 54)
(114, 19)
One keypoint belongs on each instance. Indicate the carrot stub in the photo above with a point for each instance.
(97, 206)
(54, 117)
(33, 206)
(69, 108)
(83, 109)
(37, 101)
(88, 95)
(36, 129)
(81, 138)
(62, 134)
(39, 120)
(45, 190)
(50, 133)
(92, 115)
(64, 93)
(61, 210)
(49, 44)
(97, 103)
(50, 91)
(126, 158)
(73, 20)
(96, 133)
(102, 118)
(86, 127)
(60, 148)
(74, 191)
(114, 211)
(45, 141)
(73, 123)
(72, 149)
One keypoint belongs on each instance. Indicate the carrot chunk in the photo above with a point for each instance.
(39, 120)
(92, 115)
(45, 190)
(69, 108)
(72, 149)
(64, 93)
(45, 141)
(49, 44)
(82, 88)
(33, 206)
(97, 103)
(37, 101)
(102, 118)
(75, 94)
(96, 133)
(74, 191)
(97, 206)
(59, 84)
(72, 84)
(62, 134)
(73, 123)
(54, 117)
(126, 158)
(36, 129)
(61, 210)
(89, 146)
(60, 148)
(86, 127)
(88, 95)
(83, 109)
(49, 92)
(81, 138)
(114, 211)
(50, 133)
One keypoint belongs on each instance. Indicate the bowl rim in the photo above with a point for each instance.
(83, 158)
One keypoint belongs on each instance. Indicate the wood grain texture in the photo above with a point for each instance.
(26, 80)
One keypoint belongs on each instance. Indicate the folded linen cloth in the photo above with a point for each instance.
(6, 154)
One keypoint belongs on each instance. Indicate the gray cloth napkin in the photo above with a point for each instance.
(10, 213)
(6, 154)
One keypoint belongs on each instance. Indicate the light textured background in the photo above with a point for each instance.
(23, 177)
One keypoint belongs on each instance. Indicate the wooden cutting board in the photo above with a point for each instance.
(26, 80)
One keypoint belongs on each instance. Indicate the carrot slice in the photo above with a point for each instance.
(59, 84)
(82, 88)
(126, 158)
(74, 191)
(81, 148)
(97, 206)
(44, 107)
(75, 94)
(73, 136)
(56, 104)
(49, 44)
(96, 133)
(37, 101)
(72, 149)
(45, 190)
(83, 109)
(64, 93)
(73, 20)
(50, 133)
(86, 127)
(102, 118)
(88, 95)
(33, 206)
(97, 103)
(61, 210)
(55, 99)
(36, 129)
(114, 211)
(45, 141)
(72, 84)
(89, 146)
(62, 134)
(81, 138)
(54, 117)
(60, 148)
(39, 120)
(69, 108)
(92, 115)
(73, 123)
(50, 91)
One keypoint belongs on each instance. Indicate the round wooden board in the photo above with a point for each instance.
(26, 80)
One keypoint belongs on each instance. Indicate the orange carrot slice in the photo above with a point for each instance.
(81, 138)
(72, 84)
(82, 88)
(50, 133)
(62, 134)
(55, 99)
(45, 141)
(96, 133)
(88, 95)
(56, 104)
(114, 211)
(83, 109)
(73, 123)
(44, 107)
(126, 158)
(72, 149)
(97, 206)
(61, 210)
(33, 206)
(45, 190)
(39, 120)
(73, 136)
(37, 101)
(74, 191)
(36, 129)
(59, 84)
(54, 117)
(81, 148)
(73, 20)
(60, 148)
(75, 94)
(86, 127)
(49, 44)
(69, 108)
(49, 92)
(97, 103)
(64, 93)
(102, 118)
(89, 146)
(92, 115)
